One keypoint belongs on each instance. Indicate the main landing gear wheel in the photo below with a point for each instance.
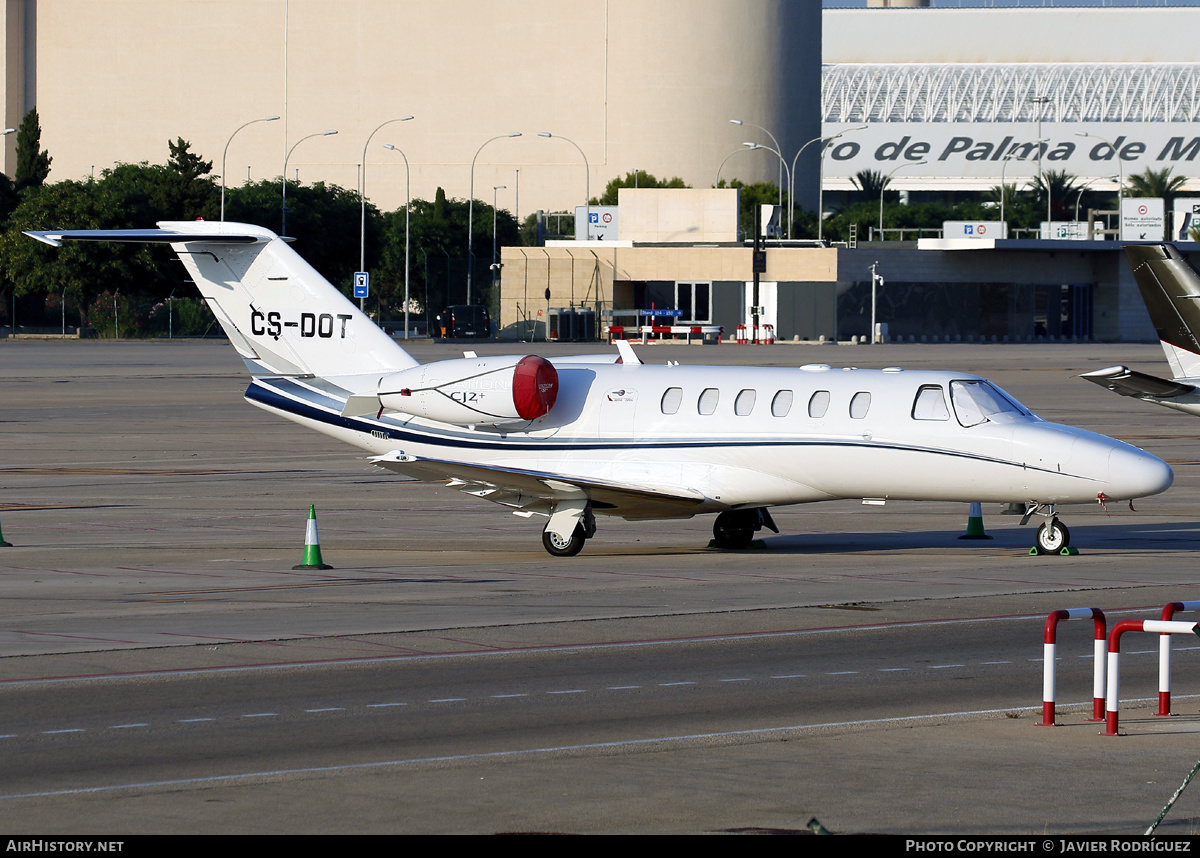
(560, 547)
(1052, 537)
(736, 528)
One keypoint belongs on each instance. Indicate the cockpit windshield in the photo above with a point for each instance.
(978, 402)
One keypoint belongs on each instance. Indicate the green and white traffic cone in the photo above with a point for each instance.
(975, 523)
(4, 544)
(312, 544)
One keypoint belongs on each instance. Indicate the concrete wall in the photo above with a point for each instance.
(637, 84)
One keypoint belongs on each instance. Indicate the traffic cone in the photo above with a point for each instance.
(975, 523)
(312, 544)
(4, 544)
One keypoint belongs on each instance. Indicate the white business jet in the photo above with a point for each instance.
(609, 435)
(1171, 290)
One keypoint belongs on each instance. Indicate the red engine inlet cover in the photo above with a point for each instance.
(535, 387)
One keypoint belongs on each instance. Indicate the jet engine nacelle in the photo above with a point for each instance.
(500, 392)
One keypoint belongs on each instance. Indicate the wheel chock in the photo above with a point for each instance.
(1069, 551)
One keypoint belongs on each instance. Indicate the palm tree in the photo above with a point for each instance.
(1063, 190)
(1155, 183)
(871, 182)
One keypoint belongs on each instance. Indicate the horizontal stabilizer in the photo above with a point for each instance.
(55, 238)
(1128, 382)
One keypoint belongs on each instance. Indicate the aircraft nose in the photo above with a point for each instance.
(1134, 473)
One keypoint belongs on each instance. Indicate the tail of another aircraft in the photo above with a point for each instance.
(1170, 288)
(281, 315)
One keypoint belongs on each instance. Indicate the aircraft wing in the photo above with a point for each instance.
(533, 492)
(1128, 382)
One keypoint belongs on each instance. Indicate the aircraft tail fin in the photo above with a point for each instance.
(281, 315)
(1171, 289)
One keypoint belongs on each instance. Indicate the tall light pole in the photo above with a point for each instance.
(1042, 101)
(495, 264)
(1120, 177)
(882, 186)
(792, 190)
(782, 167)
(362, 196)
(471, 210)
(717, 180)
(283, 210)
(407, 220)
(1012, 153)
(226, 152)
(587, 193)
(778, 149)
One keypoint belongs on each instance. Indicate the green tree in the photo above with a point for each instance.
(33, 162)
(438, 253)
(324, 220)
(1062, 187)
(77, 271)
(871, 184)
(636, 179)
(1155, 183)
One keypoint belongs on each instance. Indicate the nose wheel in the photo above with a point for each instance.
(1052, 537)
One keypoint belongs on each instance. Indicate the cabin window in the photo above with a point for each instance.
(818, 404)
(707, 403)
(930, 404)
(860, 405)
(671, 400)
(781, 404)
(744, 404)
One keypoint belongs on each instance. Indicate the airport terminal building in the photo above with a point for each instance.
(974, 94)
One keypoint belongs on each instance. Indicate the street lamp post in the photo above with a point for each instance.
(495, 264)
(407, 219)
(782, 167)
(471, 210)
(792, 190)
(1012, 153)
(777, 150)
(362, 198)
(283, 210)
(882, 186)
(1120, 176)
(226, 152)
(587, 193)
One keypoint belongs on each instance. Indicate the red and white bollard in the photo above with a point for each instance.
(768, 337)
(1164, 655)
(741, 335)
(1114, 659)
(1049, 646)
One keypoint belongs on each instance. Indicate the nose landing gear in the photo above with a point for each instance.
(1053, 537)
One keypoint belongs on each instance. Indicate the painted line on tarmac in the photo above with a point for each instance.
(527, 752)
(545, 648)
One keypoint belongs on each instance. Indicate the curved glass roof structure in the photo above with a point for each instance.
(1011, 92)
